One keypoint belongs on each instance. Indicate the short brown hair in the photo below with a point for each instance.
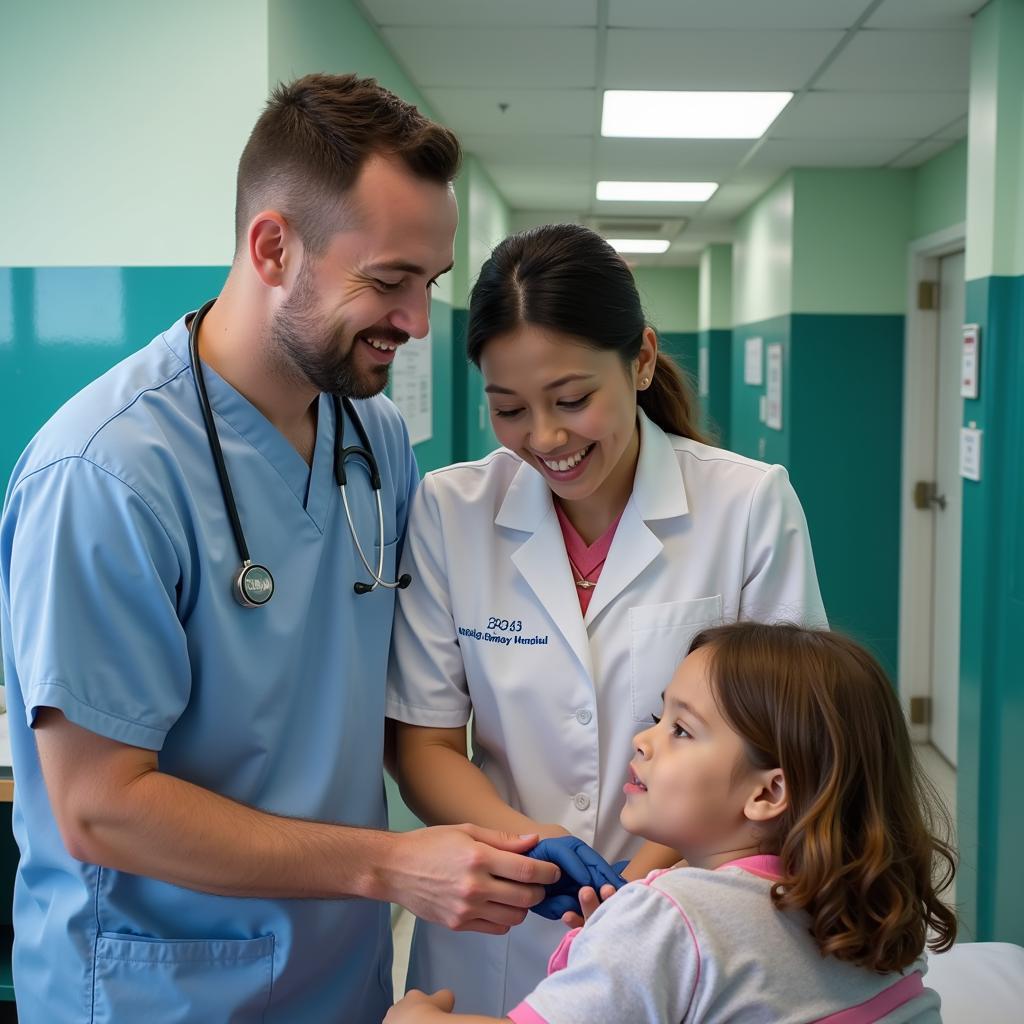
(856, 841)
(314, 136)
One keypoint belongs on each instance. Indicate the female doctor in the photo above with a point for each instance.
(560, 580)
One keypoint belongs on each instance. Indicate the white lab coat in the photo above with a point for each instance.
(492, 625)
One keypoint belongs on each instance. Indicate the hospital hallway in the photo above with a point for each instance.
(813, 208)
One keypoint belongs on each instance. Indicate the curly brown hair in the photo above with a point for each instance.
(857, 841)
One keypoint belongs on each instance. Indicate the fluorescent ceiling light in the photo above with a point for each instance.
(690, 115)
(639, 244)
(657, 191)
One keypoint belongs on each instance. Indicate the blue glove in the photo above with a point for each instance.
(580, 866)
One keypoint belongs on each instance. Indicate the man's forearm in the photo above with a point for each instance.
(166, 828)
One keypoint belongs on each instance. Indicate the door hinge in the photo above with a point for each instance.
(927, 294)
(920, 710)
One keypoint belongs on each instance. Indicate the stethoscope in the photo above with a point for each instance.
(253, 587)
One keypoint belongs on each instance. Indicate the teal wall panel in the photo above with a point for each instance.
(682, 347)
(69, 325)
(62, 327)
(715, 405)
(846, 395)
(990, 774)
(841, 424)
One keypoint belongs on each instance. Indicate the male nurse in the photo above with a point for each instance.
(199, 800)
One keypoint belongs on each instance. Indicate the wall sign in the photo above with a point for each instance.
(753, 361)
(773, 398)
(412, 388)
(969, 361)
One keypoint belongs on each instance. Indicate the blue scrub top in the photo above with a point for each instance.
(116, 564)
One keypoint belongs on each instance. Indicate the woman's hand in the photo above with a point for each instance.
(589, 901)
(419, 1008)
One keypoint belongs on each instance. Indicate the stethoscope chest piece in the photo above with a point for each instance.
(254, 586)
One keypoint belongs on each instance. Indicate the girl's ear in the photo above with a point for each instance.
(769, 799)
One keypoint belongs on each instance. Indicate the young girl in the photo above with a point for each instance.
(782, 769)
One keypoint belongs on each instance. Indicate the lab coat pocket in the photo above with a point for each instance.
(660, 636)
(161, 981)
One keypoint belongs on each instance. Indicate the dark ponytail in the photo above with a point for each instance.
(568, 278)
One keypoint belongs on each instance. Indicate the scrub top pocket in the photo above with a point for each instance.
(160, 981)
(660, 636)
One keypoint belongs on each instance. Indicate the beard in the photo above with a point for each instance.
(311, 350)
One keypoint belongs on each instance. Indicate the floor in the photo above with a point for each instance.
(936, 768)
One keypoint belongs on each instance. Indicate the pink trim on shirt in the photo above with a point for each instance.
(524, 1013)
(586, 557)
(764, 865)
(878, 1006)
(559, 960)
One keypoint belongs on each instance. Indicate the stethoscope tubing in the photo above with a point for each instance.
(342, 407)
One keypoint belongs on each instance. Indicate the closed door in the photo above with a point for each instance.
(948, 512)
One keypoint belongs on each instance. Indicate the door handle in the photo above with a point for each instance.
(926, 496)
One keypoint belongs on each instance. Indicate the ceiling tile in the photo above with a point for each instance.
(536, 111)
(921, 152)
(669, 159)
(640, 59)
(786, 153)
(536, 189)
(474, 58)
(483, 13)
(925, 14)
(901, 61)
(731, 200)
(522, 220)
(834, 115)
(956, 130)
(742, 14)
(569, 151)
(641, 210)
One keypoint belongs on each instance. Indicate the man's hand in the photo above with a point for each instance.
(467, 878)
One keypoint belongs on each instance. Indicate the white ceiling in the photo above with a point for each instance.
(878, 83)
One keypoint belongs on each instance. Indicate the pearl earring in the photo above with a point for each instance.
(644, 381)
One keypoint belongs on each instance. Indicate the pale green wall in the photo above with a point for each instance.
(850, 235)
(995, 162)
(940, 191)
(762, 257)
(121, 125)
(714, 303)
(332, 36)
(669, 296)
(483, 222)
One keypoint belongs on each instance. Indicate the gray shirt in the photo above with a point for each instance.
(694, 945)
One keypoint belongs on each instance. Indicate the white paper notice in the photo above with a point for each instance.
(970, 453)
(703, 379)
(412, 388)
(753, 372)
(773, 410)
